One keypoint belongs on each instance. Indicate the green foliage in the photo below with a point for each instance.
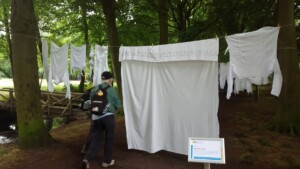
(137, 23)
(5, 69)
(57, 122)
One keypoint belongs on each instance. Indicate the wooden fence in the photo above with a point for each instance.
(53, 104)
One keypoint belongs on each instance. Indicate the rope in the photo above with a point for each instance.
(28, 36)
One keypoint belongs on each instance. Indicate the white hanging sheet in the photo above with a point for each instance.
(78, 57)
(170, 95)
(100, 64)
(242, 85)
(59, 68)
(223, 73)
(253, 56)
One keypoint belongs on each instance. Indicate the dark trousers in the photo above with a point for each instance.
(102, 129)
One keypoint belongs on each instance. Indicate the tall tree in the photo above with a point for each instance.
(163, 21)
(182, 12)
(138, 23)
(109, 8)
(162, 7)
(31, 129)
(287, 118)
(86, 40)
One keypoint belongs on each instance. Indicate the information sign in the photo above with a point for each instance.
(206, 150)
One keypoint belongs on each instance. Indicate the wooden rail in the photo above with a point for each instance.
(53, 104)
(7, 101)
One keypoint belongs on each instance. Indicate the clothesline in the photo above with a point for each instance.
(287, 48)
(28, 36)
(220, 36)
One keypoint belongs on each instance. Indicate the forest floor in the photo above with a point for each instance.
(243, 124)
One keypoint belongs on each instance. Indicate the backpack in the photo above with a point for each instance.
(99, 102)
(84, 105)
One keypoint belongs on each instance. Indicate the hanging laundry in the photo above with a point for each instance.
(78, 57)
(45, 54)
(223, 73)
(91, 61)
(253, 56)
(59, 67)
(241, 85)
(100, 62)
(170, 93)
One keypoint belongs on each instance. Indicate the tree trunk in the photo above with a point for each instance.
(86, 39)
(163, 21)
(181, 12)
(109, 8)
(162, 7)
(7, 36)
(287, 118)
(31, 129)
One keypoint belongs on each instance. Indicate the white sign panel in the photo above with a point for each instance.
(206, 150)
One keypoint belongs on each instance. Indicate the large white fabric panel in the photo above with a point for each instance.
(170, 93)
(166, 103)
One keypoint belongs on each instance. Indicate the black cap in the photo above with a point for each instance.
(106, 75)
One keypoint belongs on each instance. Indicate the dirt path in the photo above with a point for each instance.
(243, 121)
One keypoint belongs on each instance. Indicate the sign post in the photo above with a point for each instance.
(206, 166)
(206, 150)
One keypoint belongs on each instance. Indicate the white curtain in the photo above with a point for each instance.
(100, 63)
(78, 57)
(169, 100)
(58, 71)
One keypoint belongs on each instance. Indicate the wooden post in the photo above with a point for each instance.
(257, 93)
(70, 106)
(49, 104)
(11, 98)
(206, 166)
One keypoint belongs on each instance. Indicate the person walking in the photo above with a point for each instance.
(103, 121)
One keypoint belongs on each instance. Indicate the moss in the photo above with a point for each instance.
(33, 133)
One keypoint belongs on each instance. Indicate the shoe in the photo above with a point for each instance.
(85, 164)
(108, 165)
